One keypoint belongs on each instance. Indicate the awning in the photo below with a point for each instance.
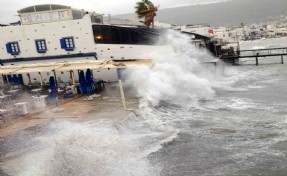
(8, 70)
(128, 63)
(68, 66)
(33, 69)
(80, 65)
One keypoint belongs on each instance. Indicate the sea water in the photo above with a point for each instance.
(192, 119)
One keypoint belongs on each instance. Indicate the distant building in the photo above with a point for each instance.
(281, 32)
(222, 34)
(202, 29)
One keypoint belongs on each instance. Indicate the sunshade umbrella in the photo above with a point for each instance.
(83, 82)
(89, 77)
(54, 90)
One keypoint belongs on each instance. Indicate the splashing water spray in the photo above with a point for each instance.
(179, 74)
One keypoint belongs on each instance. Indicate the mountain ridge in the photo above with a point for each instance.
(227, 13)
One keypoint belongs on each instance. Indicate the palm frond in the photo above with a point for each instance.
(141, 7)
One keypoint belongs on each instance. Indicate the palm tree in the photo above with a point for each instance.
(146, 9)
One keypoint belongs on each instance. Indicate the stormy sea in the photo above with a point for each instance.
(192, 119)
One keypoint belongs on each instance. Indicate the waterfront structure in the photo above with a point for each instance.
(57, 33)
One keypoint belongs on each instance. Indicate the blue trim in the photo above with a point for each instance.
(8, 48)
(41, 51)
(63, 44)
(69, 49)
(50, 57)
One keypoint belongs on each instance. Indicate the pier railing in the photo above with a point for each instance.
(257, 53)
(263, 52)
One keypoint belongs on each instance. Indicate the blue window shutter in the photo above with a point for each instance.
(63, 44)
(8, 47)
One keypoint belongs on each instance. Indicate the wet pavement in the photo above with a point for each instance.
(22, 138)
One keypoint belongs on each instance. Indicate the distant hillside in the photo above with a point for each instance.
(223, 14)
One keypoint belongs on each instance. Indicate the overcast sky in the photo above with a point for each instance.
(8, 12)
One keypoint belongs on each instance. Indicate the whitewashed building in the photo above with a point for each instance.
(57, 33)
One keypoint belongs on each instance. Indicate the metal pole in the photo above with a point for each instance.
(257, 58)
(55, 76)
(3, 78)
(73, 80)
(41, 79)
(282, 59)
(7, 79)
(122, 95)
(215, 49)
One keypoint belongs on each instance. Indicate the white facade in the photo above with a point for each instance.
(80, 30)
(222, 33)
(52, 32)
(52, 12)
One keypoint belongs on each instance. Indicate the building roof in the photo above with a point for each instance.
(119, 21)
(43, 7)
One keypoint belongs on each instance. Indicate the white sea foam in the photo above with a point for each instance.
(179, 76)
(86, 149)
(231, 103)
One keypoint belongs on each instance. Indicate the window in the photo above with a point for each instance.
(13, 48)
(120, 35)
(67, 43)
(41, 46)
(107, 35)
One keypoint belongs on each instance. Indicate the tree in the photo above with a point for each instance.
(145, 9)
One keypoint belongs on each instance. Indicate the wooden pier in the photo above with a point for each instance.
(256, 54)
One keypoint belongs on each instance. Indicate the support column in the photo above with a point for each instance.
(257, 58)
(282, 59)
(41, 79)
(73, 80)
(55, 77)
(7, 79)
(122, 95)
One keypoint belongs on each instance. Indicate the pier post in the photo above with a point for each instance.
(282, 59)
(122, 95)
(257, 54)
(233, 61)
